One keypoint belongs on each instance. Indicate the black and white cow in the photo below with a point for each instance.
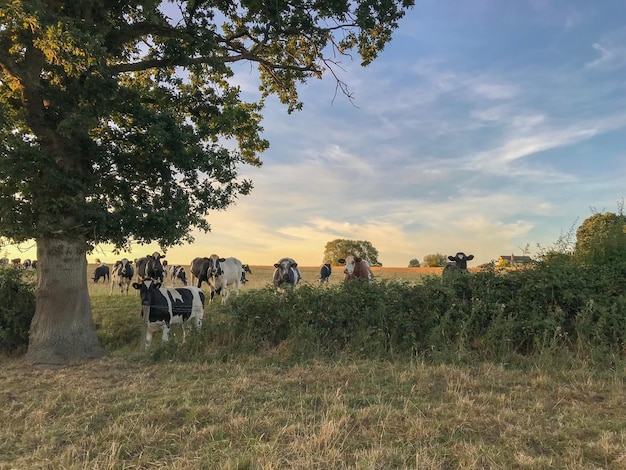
(101, 271)
(325, 272)
(162, 307)
(226, 275)
(122, 275)
(286, 273)
(151, 267)
(177, 273)
(245, 268)
(457, 264)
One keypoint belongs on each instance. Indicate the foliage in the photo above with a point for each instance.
(18, 308)
(601, 239)
(414, 263)
(435, 260)
(118, 122)
(340, 248)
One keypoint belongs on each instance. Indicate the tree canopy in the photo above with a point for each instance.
(601, 239)
(118, 119)
(120, 123)
(340, 248)
(434, 260)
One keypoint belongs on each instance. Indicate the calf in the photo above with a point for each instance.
(457, 264)
(177, 273)
(356, 268)
(229, 274)
(101, 271)
(286, 273)
(122, 275)
(165, 306)
(325, 272)
(151, 267)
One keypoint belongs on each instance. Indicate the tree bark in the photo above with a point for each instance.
(62, 330)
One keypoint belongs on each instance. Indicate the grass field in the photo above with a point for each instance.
(261, 412)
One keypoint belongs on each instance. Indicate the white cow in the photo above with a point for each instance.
(227, 274)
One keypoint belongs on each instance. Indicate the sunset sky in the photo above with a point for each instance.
(483, 127)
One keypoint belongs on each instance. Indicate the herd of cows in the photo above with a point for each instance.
(164, 306)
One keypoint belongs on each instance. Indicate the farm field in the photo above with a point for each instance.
(128, 411)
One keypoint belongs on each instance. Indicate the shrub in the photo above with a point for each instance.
(17, 311)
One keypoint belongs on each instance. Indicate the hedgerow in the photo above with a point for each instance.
(16, 311)
(492, 314)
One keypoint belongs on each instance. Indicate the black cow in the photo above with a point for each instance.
(164, 306)
(151, 267)
(122, 275)
(325, 272)
(101, 271)
(457, 264)
(177, 273)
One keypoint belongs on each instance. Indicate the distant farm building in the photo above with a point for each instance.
(513, 260)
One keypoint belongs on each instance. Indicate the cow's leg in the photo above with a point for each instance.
(166, 333)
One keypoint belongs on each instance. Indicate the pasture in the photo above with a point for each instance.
(264, 410)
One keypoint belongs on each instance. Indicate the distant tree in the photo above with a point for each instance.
(435, 260)
(601, 239)
(340, 248)
(414, 263)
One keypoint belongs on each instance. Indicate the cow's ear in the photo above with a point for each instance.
(222, 260)
(295, 265)
(470, 257)
(276, 265)
(136, 285)
(341, 261)
(451, 258)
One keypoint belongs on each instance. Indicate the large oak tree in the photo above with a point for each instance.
(119, 124)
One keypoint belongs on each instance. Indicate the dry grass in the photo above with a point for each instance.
(123, 413)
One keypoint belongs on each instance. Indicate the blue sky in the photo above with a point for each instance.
(483, 127)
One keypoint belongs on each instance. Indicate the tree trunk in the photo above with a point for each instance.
(62, 330)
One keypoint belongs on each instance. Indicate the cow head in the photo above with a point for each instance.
(214, 269)
(285, 272)
(460, 260)
(123, 268)
(350, 263)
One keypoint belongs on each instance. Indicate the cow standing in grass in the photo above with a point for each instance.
(122, 275)
(226, 276)
(103, 272)
(151, 267)
(325, 272)
(162, 307)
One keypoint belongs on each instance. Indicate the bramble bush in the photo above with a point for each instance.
(16, 311)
